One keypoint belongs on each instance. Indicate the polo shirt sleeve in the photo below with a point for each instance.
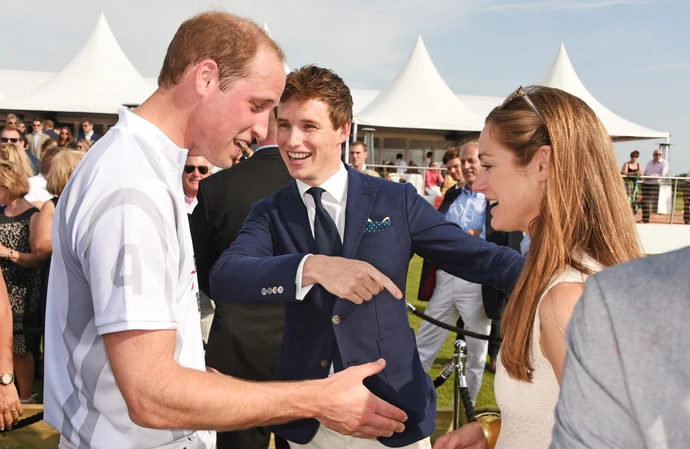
(130, 255)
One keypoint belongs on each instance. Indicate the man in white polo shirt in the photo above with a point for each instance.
(124, 358)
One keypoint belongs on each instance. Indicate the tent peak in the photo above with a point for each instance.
(418, 97)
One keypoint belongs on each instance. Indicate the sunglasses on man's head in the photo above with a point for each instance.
(9, 139)
(190, 169)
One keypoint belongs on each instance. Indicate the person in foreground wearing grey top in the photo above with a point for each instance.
(626, 382)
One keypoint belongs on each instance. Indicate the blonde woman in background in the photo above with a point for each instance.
(550, 166)
(83, 145)
(10, 406)
(17, 157)
(62, 167)
(20, 269)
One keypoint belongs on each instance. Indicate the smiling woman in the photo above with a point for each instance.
(550, 167)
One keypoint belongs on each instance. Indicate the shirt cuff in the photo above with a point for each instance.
(301, 291)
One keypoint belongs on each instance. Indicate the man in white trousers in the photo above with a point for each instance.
(454, 297)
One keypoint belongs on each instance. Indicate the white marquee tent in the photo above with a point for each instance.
(402, 103)
(419, 98)
(562, 75)
(99, 79)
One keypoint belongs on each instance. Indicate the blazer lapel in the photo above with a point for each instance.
(360, 201)
(296, 220)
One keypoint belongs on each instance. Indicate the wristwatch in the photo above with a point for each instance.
(6, 378)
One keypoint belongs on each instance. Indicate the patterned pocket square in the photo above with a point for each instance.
(376, 226)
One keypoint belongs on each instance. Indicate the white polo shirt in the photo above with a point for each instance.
(122, 260)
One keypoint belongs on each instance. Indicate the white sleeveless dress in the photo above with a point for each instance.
(527, 409)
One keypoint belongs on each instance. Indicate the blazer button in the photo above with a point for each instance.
(335, 319)
(263, 291)
(280, 290)
(275, 290)
(324, 364)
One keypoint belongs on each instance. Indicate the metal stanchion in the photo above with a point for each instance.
(673, 200)
(460, 357)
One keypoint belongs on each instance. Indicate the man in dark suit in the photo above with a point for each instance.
(87, 131)
(334, 246)
(245, 338)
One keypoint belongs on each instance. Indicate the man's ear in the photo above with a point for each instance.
(205, 76)
(544, 157)
(344, 131)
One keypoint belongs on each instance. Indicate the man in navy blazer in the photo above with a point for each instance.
(345, 309)
(88, 132)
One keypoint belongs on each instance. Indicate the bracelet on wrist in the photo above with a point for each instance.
(490, 422)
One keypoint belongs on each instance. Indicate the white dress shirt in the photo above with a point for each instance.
(37, 138)
(334, 200)
(37, 189)
(655, 169)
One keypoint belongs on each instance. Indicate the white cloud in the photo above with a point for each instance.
(559, 5)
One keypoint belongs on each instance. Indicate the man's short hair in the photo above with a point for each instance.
(47, 160)
(399, 156)
(316, 83)
(87, 120)
(473, 142)
(9, 128)
(429, 154)
(48, 123)
(452, 153)
(231, 41)
(359, 143)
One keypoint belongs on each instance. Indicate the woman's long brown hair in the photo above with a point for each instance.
(585, 210)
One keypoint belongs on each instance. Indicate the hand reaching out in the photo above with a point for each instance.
(354, 280)
(351, 409)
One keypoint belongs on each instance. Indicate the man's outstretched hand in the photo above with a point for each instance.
(354, 280)
(349, 408)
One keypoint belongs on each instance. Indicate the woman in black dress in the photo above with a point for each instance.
(20, 269)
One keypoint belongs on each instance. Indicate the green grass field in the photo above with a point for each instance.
(486, 398)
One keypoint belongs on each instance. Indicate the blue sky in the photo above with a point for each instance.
(632, 55)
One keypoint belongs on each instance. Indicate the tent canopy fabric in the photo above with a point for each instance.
(419, 98)
(99, 79)
(14, 83)
(562, 75)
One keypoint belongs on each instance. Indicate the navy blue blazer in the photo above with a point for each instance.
(262, 263)
(94, 137)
